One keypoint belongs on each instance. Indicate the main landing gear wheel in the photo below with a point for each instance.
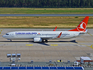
(44, 41)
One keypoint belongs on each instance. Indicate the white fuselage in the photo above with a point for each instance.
(39, 34)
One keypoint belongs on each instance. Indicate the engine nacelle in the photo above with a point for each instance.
(37, 40)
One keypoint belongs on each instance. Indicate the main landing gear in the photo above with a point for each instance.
(44, 41)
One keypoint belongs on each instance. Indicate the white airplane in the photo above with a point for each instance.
(44, 36)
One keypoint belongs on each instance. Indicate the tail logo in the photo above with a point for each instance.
(82, 26)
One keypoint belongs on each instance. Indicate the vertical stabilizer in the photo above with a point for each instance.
(82, 25)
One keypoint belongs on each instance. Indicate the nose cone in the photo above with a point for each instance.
(4, 36)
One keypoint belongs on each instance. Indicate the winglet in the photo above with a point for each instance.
(55, 28)
(59, 35)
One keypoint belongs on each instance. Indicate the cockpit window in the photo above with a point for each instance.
(7, 34)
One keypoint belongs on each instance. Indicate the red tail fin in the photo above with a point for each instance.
(82, 25)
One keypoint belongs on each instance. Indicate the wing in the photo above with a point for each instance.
(49, 36)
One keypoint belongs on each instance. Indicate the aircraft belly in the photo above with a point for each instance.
(45, 36)
(66, 36)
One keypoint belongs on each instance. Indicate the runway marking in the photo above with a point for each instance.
(88, 46)
(29, 44)
(91, 46)
(0, 31)
(83, 44)
(90, 34)
(54, 44)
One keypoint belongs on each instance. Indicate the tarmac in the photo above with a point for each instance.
(57, 49)
(46, 15)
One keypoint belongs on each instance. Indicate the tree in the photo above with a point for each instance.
(47, 3)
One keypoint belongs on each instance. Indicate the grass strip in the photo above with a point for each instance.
(42, 22)
(46, 10)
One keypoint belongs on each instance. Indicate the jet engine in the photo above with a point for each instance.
(37, 40)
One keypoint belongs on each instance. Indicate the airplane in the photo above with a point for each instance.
(44, 36)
